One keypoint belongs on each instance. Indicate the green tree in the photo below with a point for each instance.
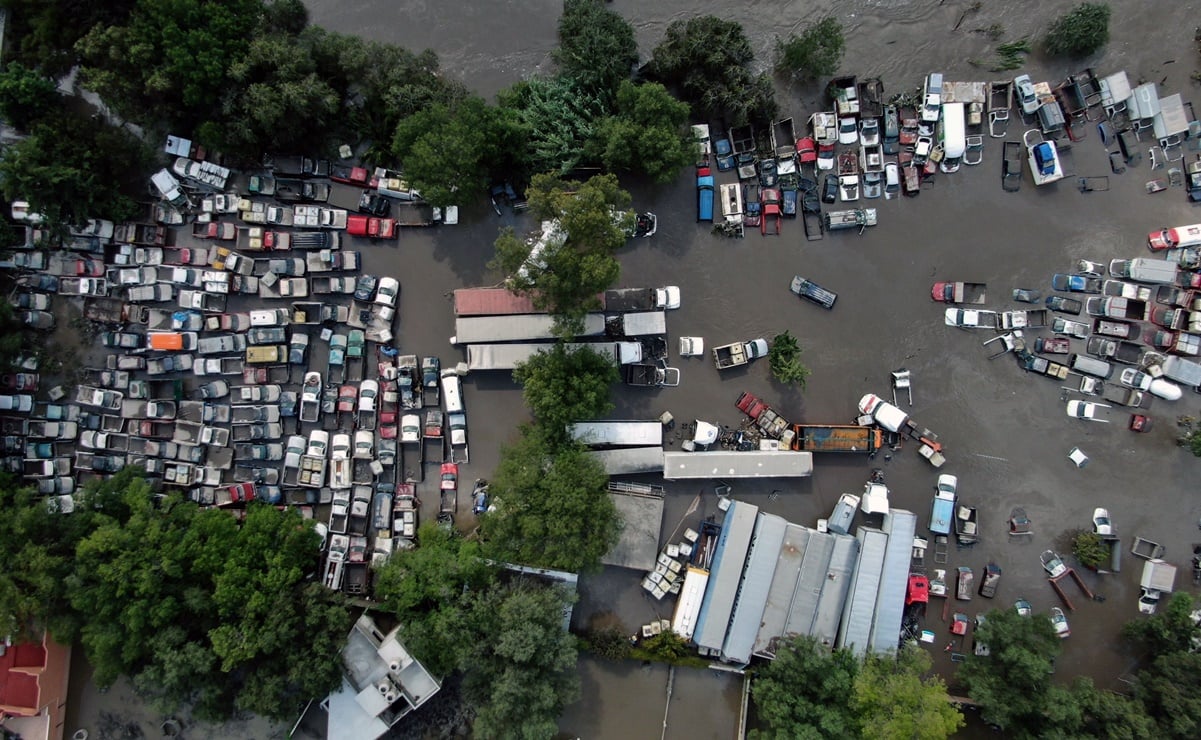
(893, 702)
(559, 116)
(577, 261)
(1170, 688)
(72, 167)
(1082, 710)
(276, 100)
(1012, 683)
(816, 52)
(563, 385)
(596, 46)
(42, 33)
(450, 152)
(430, 590)
(552, 508)
(25, 95)
(707, 60)
(170, 62)
(645, 134)
(521, 670)
(1089, 549)
(1079, 32)
(785, 360)
(1171, 629)
(805, 692)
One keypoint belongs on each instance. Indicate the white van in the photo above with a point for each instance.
(168, 188)
(452, 391)
(1090, 366)
(731, 202)
(952, 134)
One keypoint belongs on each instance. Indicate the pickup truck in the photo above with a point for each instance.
(855, 218)
(1127, 353)
(292, 287)
(642, 299)
(333, 285)
(1032, 319)
(1041, 365)
(739, 353)
(813, 292)
(1117, 307)
(948, 292)
(318, 217)
(330, 260)
(943, 510)
(650, 375)
(87, 286)
(371, 227)
(258, 239)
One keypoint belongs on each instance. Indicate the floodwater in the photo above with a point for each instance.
(1005, 433)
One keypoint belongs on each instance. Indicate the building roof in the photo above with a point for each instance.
(725, 575)
(900, 526)
(33, 685)
(642, 521)
(724, 464)
(382, 683)
(756, 583)
(859, 612)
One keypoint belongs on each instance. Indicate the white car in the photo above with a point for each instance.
(293, 449)
(1070, 328)
(1102, 524)
(410, 428)
(667, 297)
(882, 412)
(892, 179)
(1086, 410)
(387, 292)
(1134, 378)
(848, 132)
(1060, 623)
(964, 318)
(318, 443)
(368, 392)
(364, 445)
(869, 131)
(1023, 93)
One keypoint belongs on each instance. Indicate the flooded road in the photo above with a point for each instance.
(1005, 432)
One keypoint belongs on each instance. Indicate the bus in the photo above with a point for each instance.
(953, 137)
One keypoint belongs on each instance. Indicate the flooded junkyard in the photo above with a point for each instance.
(1004, 431)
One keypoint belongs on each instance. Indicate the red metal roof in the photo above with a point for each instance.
(20, 667)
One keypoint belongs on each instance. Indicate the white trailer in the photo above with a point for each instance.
(517, 328)
(617, 433)
(721, 464)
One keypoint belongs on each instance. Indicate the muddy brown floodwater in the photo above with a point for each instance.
(1005, 432)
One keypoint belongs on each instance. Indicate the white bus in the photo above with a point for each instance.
(953, 137)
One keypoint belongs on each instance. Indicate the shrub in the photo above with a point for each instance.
(1081, 31)
(1089, 549)
(816, 52)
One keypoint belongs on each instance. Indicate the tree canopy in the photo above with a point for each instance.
(552, 507)
(645, 134)
(450, 152)
(596, 46)
(893, 701)
(521, 669)
(816, 52)
(1013, 681)
(805, 692)
(563, 385)
(580, 263)
(785, 360)
(560, 117)
(707, 60)
(1081, 31)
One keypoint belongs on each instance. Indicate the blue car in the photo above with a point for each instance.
(724, 154)
(1075, 283)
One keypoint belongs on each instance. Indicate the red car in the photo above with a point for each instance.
(806, 150)
(371, 227)
(348, 396)
(349, 175)
(19, 382)
(450, 476)
(388, 427)
(241, 493)
(89, 268)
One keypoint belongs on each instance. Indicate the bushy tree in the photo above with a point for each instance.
(521, 669)
(552, 507)
(1170, 688)
(1089, 549)
(785, 360)
(26, 95)
(706, 59)
(1081, 31)
(893, 701)
(805, 692)
(42, 33)
(1171, 629)
(1012, 683)
(645, 134)
(560, 117)
(169, 63)
(596, 46)
(430, 590)
(578, 261)
(564, 385)
(816, 52)
(1083, 710)
(450, 152)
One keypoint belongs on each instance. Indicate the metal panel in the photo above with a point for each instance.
(630, 460)
(855, 630)
(618, 433)
(752, 594)
(517, 327)
(900, 525)
(721, 464)
(729, 557)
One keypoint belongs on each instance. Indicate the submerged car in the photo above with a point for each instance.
(1064, 305)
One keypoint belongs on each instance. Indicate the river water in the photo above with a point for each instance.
(1005, 432)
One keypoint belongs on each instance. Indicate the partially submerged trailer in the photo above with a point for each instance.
(508, 356)
(491, 302)
(518, 327)
(836, 438)
(721, 464)
(617, 433)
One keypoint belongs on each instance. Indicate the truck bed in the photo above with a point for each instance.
(837, 438)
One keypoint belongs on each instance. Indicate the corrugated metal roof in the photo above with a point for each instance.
(728, 559)
(900, 526)
(839, 569)
(856, 628)
(782, 593)
(630, 460)
(518, 327)
(752, 594)
(722, 464)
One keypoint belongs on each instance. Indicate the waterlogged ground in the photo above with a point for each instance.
(1005, 432)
